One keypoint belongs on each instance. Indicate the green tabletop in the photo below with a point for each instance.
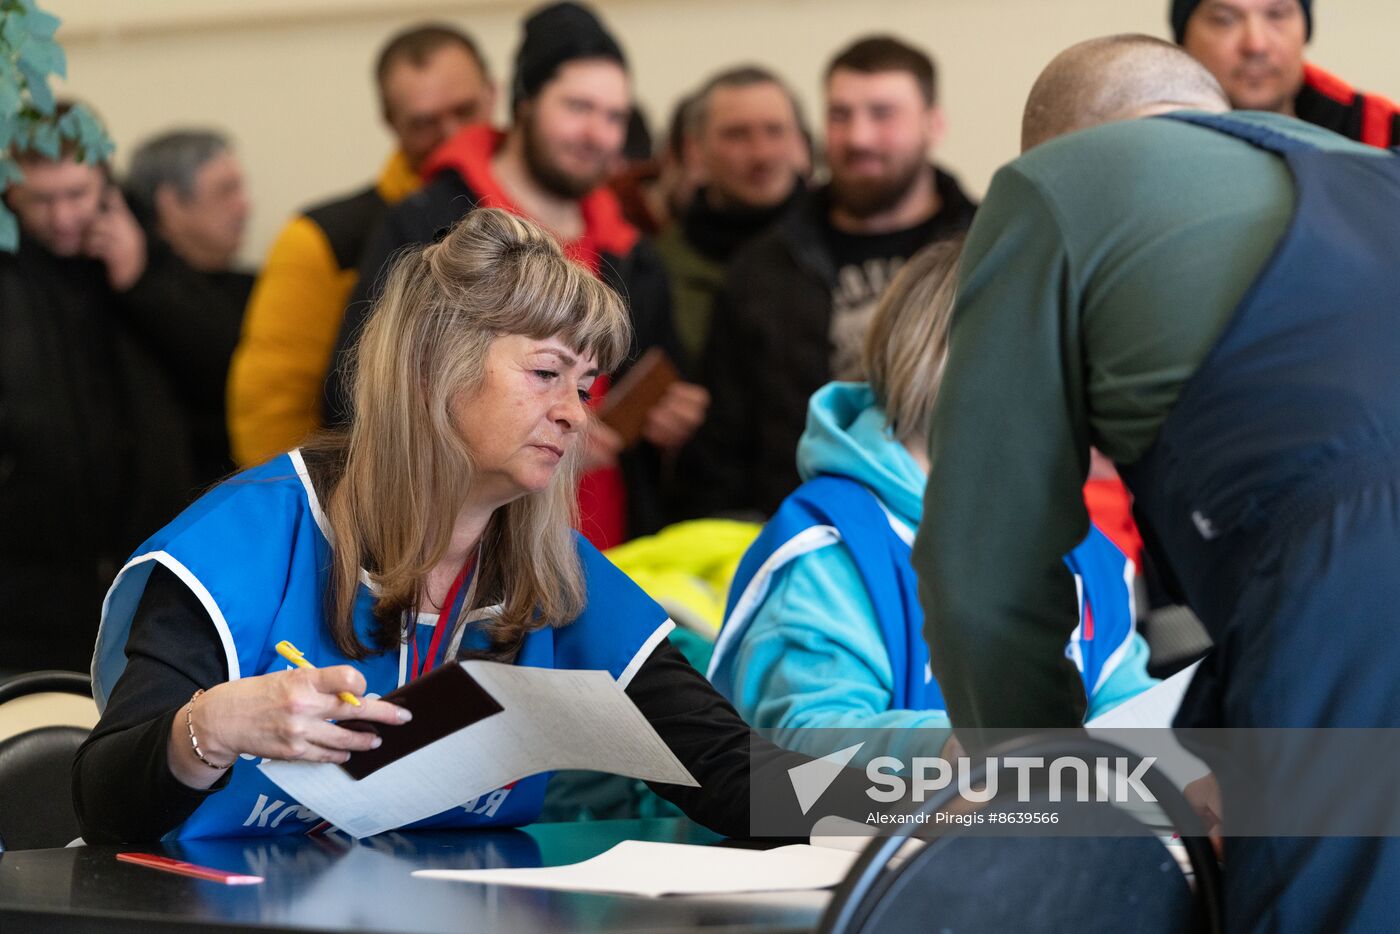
(332, 884)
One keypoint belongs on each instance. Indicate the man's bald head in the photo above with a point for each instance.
(1115, 78)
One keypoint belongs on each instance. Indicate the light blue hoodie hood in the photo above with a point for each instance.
(846, 436)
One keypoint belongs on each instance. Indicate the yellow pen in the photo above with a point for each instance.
(292, 654)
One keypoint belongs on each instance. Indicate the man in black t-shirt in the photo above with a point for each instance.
(797, 301)
(865, 266)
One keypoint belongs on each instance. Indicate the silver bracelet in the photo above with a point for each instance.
(194, 743)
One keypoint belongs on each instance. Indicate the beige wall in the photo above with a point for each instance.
(289, 78)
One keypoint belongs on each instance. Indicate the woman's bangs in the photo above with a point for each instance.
(588, 317)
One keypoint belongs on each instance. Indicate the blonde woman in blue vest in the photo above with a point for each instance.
(439, 526)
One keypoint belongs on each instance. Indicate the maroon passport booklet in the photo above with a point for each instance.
(626, 405)
(443, 701)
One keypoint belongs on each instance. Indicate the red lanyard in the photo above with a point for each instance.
(445, 621)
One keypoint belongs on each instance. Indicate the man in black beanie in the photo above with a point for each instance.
(1255, 50)
(570, 100)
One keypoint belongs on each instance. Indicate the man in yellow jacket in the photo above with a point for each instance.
(432, 80)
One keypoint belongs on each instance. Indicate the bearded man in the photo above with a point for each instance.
(797, 301)
(571, 99)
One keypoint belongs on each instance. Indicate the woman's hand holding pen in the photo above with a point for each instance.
(282, 715)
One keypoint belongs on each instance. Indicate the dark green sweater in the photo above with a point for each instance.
(1098, 274)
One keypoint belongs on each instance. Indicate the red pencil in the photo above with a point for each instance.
(166, 864)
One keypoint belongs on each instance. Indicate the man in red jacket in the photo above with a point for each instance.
(1255, 50)
(570, 98)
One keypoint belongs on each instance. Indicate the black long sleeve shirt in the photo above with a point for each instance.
(123, 789)
(193, 320)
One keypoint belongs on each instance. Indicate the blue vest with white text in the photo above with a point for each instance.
(256, 553)
(828, 510)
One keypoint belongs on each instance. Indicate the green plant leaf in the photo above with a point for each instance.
(37, 84)
(71, 123)
(18, 133)
(92, 139)
(96, 150)
(9, 230)
(10, 172)
(14, 29)
(42, 25)
(10, 100)
(44, 56)
(46, 140)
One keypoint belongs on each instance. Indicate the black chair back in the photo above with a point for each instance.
(37, 682)
(36, 778)
(36, 766)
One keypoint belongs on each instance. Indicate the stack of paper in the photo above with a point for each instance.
(634, 867)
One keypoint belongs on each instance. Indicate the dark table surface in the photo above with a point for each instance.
(331, 884)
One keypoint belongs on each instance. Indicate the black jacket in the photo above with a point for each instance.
(1329, 102)
(201, 348)
(95, 441)
(638, 277)
(769, 350)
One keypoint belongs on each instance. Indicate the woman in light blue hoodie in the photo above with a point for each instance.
(823, 628)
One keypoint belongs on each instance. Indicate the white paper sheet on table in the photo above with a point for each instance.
(552, 719)
(636, 867)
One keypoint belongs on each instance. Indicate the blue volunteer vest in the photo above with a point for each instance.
(256, 554)
(830, 509)
(1299, 398)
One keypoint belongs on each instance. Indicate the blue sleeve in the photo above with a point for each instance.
(813, 658)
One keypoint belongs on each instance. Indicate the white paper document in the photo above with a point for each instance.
(551, 719)
(841, 833)
(1154, 707)
(635, 867)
